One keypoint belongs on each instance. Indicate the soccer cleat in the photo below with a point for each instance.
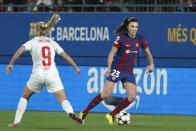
(110, 119)
(82, 116)
(16, 124)
(76, 118)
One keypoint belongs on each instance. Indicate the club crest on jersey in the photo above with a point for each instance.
(113, 78)
(32, 32)
(137, 44)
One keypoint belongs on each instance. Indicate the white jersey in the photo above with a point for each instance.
(43, 51)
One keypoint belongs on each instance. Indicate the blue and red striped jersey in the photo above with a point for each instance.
(127, 50)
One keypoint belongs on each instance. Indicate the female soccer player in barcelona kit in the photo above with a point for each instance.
(44, 70)
(120, 66)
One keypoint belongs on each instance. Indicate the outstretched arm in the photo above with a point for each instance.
(150, 60)
(110, 59)
(70, 60)
(14, 58)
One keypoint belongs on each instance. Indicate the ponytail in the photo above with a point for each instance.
(43, 29)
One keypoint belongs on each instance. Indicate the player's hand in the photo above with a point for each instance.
(150, 68)
(108, 72)
(77, 70)
(58, 17)
(9, 67)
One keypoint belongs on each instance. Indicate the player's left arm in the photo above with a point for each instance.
(14, 58)
(70, 60)
(150, 68)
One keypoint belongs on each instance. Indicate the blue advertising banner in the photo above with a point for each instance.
(165, 91)
(88, 37)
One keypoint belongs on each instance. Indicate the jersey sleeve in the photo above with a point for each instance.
(28, 45)
(144, 43)
(117, 42)
(58, 49)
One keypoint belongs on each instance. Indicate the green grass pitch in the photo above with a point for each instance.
(59, 121)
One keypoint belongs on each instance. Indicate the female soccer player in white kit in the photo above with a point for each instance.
(44, 70)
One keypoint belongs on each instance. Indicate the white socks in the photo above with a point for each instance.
(23, 104)
(20, 110)
(67, 106)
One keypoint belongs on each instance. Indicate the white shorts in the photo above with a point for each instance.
(51, 80)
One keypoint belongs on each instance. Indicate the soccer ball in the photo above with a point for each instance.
(123, 118)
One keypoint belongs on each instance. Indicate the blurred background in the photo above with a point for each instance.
(97, 5)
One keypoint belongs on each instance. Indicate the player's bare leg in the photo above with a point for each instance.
(21, 106)
(97, 99)
(61, 97)
(131, 90)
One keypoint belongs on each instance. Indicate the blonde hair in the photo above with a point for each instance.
(43, 29)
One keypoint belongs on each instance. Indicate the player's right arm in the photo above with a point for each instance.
(14, 58)
(116, 45)
(110, 59)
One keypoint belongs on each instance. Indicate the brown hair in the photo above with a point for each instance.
(123, 27)
(43, 29)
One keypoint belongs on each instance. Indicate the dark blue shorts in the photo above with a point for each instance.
(116, 75)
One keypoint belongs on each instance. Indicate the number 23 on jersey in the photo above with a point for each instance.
(115, 73)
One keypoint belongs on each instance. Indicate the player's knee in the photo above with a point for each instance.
(131, 97)
(61, 98)
(105, 95)
(25, 96)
